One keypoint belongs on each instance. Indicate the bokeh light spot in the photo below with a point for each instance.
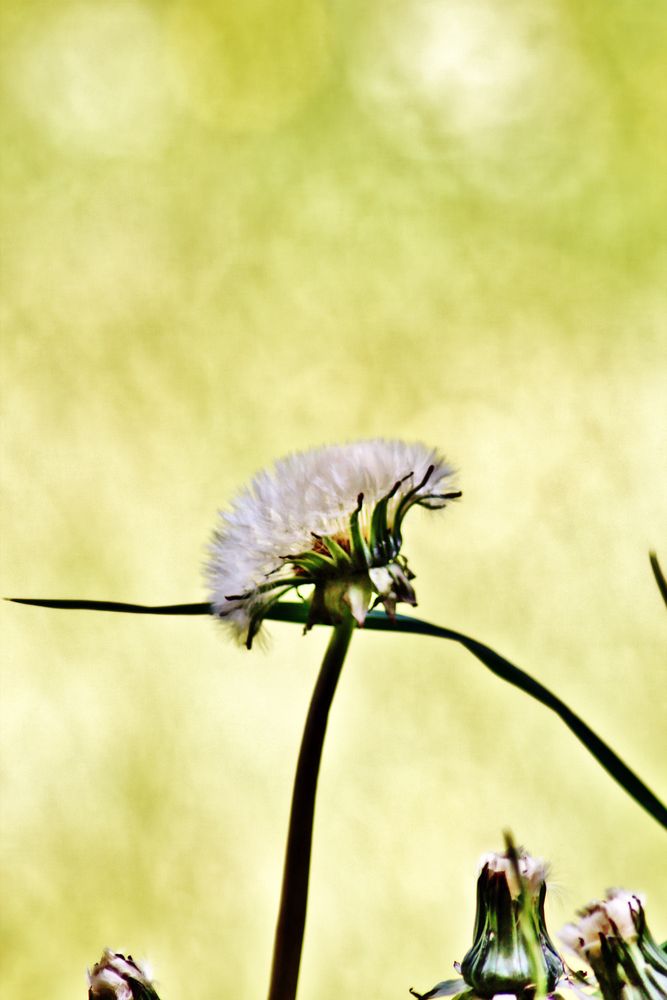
(92, 75)
(248, 67)
(494, 88)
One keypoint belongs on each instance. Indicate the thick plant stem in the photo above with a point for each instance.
(294, 895)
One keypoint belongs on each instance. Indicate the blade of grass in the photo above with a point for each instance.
(501, 667)
(293, 611)
(202, 608)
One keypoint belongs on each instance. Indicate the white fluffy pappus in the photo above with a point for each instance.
(115, 975)
(533, 871)
(312, 495)
(614, 916)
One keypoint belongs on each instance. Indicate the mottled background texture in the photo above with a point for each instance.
(236, 230)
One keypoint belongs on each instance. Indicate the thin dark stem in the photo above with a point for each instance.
(659, 576)
(501, 667)
(294, 895)
(81, 604)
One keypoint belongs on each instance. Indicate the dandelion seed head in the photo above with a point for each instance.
(305, 506)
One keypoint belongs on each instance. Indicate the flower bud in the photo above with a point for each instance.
(511, 947)
(512, 956)
(612, 936)
(116, 977)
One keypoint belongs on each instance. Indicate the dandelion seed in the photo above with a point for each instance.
(331, 518)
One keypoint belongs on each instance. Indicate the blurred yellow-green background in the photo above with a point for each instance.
(235, 230)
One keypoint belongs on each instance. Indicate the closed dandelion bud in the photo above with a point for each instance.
(511, 947)
(612, 936)
(117, 977)
(512, 956)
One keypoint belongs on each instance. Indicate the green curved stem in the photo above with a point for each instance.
(293, 611)
(497, 664)
(291, 922)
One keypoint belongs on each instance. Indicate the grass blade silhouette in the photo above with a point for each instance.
(295, 611)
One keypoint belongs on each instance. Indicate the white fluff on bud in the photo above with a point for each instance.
(110, 979)
(621, 908)
(533, 871)
(611, 917)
